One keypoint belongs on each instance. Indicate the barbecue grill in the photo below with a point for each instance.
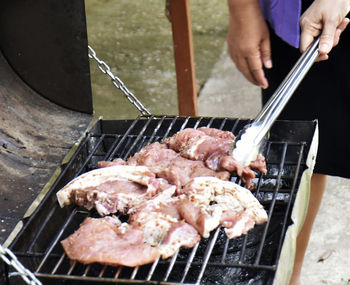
(250, 259)
(255, 258)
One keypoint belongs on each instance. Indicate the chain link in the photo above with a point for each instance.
(10, 259)
(117, 82)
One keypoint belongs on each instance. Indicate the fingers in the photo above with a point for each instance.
(331, 34)
(252, 63)
(342, 26)
(256, 70)
(339, 30)
(326, 44)
(251, 68)
(336, 37)
(306, 38)
(310, 29)
(327, 37)
(266, 53)
(322, 57)
(242, 65)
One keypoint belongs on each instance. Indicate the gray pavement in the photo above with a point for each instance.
(327, 260)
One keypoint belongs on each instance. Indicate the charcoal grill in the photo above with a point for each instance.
(249, 259)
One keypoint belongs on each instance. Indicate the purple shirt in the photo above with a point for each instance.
(283, 16)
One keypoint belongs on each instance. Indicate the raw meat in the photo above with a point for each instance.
(108, 241)
(154, 230)
(213, 147)
(208, 202)
(173, 193)
(168, 164)
(111, 189)
(200, 144)
(163, 226)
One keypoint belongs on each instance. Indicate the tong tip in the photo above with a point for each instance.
(245, 147)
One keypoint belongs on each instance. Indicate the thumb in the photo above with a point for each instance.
(327, 37)
(306, 38)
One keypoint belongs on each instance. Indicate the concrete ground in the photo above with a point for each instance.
(327, 260)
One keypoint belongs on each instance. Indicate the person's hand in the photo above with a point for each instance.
(325, 18)
(248, 40)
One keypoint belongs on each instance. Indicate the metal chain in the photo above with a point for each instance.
(11, 259)
(118, 83)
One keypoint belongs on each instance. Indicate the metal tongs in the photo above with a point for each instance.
(251, 140)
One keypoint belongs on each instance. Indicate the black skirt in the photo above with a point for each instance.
(324, 94)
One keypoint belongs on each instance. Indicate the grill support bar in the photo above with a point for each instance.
(289, 205)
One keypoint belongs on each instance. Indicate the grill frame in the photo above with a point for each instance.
(109, 139)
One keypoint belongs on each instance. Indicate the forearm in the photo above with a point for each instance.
(249, 40)
(241, 9)
(245, 14)
(234, 4)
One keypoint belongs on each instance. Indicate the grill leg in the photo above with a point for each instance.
(184, 57)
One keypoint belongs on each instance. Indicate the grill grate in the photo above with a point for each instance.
(216, 260)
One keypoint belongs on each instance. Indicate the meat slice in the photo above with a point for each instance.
(194, 153)
(209, 202)
(162, 225)
(115, 162)
(108, 241)
(168, 164)
(213, 147)
(217, 133)
(154, 230)
(181, 234)
(111, 189)
(246, 173)
(200, 144)
(198, 215)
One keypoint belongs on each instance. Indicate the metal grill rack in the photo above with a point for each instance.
(249, 259)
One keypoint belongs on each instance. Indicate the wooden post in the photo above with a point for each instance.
(184, 57)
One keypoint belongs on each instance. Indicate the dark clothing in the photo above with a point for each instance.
(324, 94)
